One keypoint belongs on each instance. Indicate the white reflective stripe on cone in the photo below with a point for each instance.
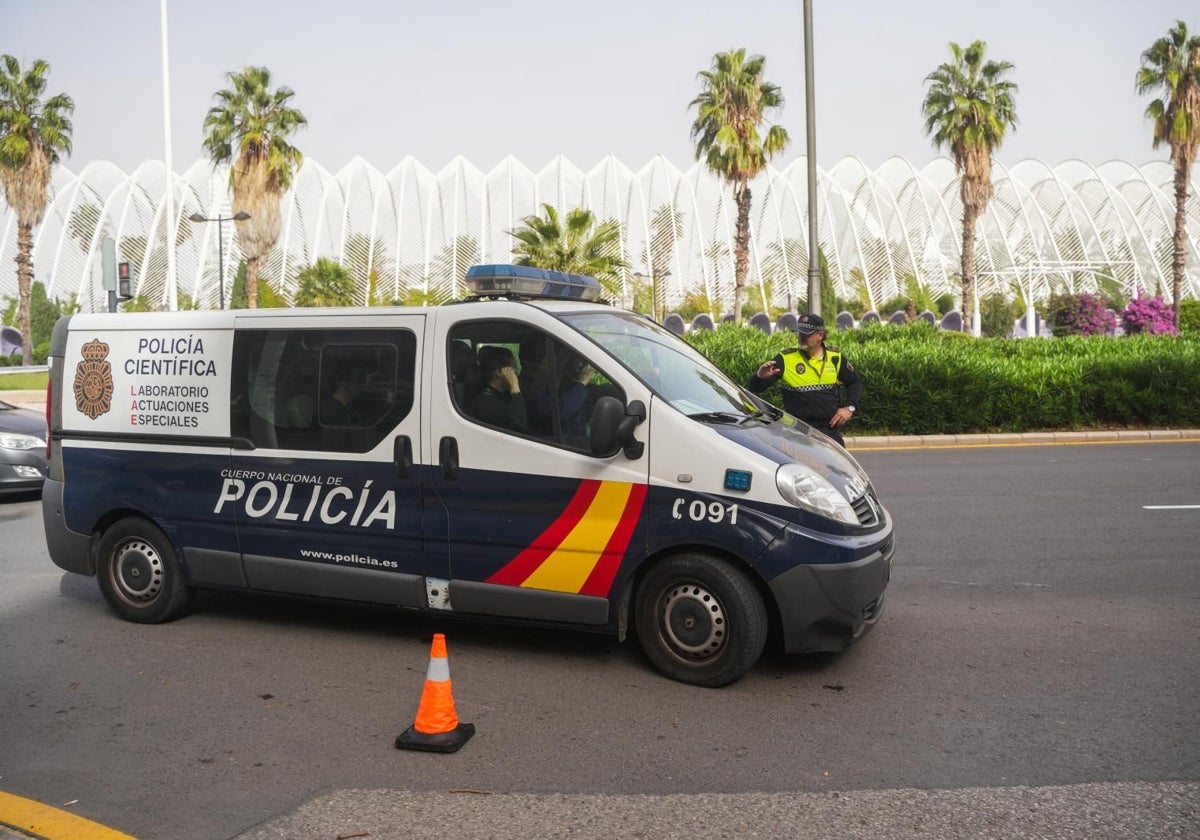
(439, 670)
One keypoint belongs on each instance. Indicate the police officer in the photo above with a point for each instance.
(810, 375)
(500, 402)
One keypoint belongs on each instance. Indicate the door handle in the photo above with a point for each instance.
(448, 458)
(402, 455)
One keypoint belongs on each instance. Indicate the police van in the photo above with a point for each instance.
(525, 455)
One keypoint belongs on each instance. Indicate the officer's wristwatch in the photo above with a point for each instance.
(850, 408)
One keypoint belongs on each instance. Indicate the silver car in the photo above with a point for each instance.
(22, 449)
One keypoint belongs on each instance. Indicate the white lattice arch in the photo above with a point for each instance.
(412, 228)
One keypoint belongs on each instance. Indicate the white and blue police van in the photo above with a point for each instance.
(525, 455)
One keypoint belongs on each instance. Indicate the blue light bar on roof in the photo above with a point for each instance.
(525, 281)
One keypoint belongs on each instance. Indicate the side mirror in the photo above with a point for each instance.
(613, 425)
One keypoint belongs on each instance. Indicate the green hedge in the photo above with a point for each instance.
(919, 380)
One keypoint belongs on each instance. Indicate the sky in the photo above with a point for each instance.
(534, 79)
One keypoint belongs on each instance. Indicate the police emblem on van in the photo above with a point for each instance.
(93, 380)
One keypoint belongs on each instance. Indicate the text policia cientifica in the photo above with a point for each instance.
(175, 356)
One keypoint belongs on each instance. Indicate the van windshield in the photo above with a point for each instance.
(670, 366)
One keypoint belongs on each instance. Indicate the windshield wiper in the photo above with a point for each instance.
(727, 417)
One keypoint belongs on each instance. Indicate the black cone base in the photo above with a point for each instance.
(444, 742)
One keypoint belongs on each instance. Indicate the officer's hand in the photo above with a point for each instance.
(767, 369)
(841, 417)
(510, 376)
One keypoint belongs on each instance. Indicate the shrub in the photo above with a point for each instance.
(1080, 314)
(920, 380)
(1149, 316)
(996, 316)
(1189, 316)
(896, 304)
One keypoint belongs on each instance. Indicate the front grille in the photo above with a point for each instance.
(866, 509)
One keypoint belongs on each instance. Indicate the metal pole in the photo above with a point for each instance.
(814, 259)
(171, 221)
(221, 257)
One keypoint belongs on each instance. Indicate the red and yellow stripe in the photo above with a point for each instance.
(582, 549)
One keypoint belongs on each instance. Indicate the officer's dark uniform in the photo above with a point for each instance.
(811, 387)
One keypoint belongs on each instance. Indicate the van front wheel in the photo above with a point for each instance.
(700, 620)
(139, 575)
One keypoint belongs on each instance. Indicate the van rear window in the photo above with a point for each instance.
(321, 390)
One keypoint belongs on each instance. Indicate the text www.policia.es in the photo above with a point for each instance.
(356, 559)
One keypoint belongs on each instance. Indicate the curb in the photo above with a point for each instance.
(36, 400)
(866, 442)
(25, 399)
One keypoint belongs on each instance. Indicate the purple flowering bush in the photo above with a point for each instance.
(1149, 316)
(1080, 314)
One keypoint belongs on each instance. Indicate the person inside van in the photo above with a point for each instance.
(573, 380)
(500, 402)
(338, 407)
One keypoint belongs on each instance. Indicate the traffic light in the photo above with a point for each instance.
(124, 277)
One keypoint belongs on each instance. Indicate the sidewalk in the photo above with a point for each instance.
(36, 400)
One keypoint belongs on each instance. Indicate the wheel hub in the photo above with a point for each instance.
(138, 571)
(694, 621)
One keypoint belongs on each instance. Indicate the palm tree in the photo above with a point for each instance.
(34, 135)
(968, 108)
(327, 282)
(730, 109)
(577, 245)
(1171, 67)
(324, 283)
(249, 129)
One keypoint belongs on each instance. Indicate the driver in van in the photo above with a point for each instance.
(500, 402)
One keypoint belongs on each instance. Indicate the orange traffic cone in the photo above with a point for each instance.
(436, 728)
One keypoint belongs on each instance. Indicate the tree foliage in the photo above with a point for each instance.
(575, 244)
(731, 107)
(324, 283)
(968, 107)
(35, 133)
(1171, 69)
(249, 128)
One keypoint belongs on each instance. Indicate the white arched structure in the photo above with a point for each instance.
(413, 229)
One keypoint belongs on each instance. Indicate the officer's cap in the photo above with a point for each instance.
(809, 324)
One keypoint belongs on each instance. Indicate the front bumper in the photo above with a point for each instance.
(825, 607)
(22, 470)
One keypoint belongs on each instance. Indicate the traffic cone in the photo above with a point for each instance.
(436, 728)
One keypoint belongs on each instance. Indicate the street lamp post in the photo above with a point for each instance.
(240, 216)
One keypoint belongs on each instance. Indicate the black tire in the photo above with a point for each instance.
(700, 620)
(139, 575)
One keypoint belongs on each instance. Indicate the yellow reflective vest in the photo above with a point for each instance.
(801, 374)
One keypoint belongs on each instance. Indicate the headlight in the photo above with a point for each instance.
(809, 491)
(11, 440)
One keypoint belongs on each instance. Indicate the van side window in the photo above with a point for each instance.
(321, 390)
(513, 377)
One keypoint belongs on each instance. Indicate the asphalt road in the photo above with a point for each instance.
(1037, 671)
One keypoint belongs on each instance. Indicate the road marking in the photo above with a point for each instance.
(51, 823)
(1170, 507)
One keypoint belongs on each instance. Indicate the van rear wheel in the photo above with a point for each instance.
(139, 574)
(700, 620)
